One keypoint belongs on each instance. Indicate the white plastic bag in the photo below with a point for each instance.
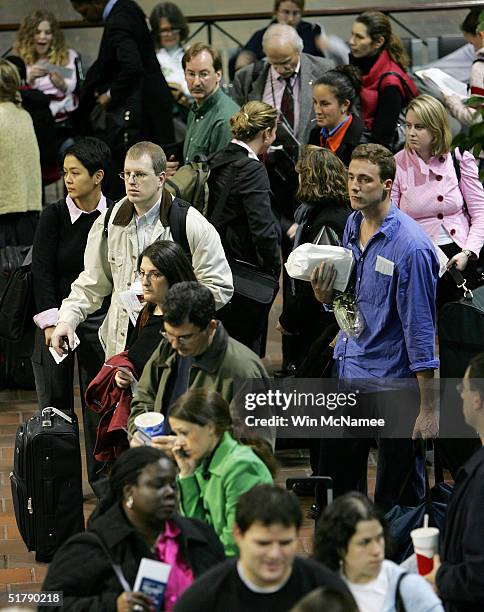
(302, 261)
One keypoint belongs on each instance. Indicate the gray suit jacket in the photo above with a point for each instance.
(245, 88)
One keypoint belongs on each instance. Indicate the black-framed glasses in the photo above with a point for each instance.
(137, 176)
(149, 275)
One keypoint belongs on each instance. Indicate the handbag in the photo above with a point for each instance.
(252, 283)
(16, 299)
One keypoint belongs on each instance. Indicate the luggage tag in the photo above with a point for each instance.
(59, 358)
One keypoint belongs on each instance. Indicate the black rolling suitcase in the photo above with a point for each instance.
(461, 337)
(47, 481)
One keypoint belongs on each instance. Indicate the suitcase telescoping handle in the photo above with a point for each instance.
(48, 412)
(460, 281)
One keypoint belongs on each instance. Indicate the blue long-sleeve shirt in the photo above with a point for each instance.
(396, 278)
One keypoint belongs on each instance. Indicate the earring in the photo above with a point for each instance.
(129, 502)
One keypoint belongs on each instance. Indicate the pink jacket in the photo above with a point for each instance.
(429, 193)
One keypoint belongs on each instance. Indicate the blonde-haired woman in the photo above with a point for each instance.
(40, 43)
(240, 209)
(426, 187)
(20, 182)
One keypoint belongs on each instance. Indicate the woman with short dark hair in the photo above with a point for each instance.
(136, 519)
(57, 260)
(350, 539)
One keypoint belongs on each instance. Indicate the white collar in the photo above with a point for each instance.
(244, 145)
(75, 212)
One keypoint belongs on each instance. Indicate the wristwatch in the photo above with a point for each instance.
(467, 253)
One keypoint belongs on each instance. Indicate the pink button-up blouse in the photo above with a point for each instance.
(430, 194)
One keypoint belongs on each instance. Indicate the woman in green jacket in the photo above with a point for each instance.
(214, 468)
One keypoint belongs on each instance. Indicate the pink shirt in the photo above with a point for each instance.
(429, 193)
(167, 549)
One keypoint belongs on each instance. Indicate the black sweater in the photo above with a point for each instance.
(58, 253)
(221, 589)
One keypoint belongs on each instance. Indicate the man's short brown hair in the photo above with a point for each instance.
(378, 155)
(154, 152)
(196, 49)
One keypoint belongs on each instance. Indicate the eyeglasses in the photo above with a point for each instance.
(137, 176)
(167, 31)
(203, 76)
(460, 388)
(149, 275)
(182, 340)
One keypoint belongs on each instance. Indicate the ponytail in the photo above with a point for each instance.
(378, 25)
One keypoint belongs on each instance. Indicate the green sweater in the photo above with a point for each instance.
(208, 127)
(233, 470)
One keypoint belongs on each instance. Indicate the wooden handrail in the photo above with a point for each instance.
(328, 12)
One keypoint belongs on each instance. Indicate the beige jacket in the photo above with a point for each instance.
(110, 265)
(20, 178)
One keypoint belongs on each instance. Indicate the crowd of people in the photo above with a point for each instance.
(164, 303)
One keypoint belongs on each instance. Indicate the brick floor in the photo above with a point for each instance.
(18, 570)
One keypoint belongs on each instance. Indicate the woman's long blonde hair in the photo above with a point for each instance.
(433, 115)
(321, 174)
(24, 44)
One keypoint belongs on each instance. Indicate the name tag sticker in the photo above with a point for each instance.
(385, 266)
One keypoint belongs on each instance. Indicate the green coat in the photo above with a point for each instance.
(233, 470)
(224, 362)
(208, 125)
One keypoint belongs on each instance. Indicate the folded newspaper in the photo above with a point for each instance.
(447, 84)
(302, 261)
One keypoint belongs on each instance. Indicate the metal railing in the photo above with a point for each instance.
(212, 22)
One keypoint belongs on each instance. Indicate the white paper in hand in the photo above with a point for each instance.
(129, 299)
(302, 261)
(59, 358)
(447, 84)
(151, 579)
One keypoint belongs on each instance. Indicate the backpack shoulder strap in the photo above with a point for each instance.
(177, 218)
(107, 217)
(456, 163)
(399, 603)
(116, 568)
(408, 92)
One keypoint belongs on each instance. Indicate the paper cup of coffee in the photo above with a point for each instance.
(425, 543)
(152, 423)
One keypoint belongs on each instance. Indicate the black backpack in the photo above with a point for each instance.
(177, 218)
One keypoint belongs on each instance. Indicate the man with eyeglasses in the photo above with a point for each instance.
(198, 352)
(208, 127)
(458, 574)
(112, 250)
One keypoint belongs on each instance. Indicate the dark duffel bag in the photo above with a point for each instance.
(46, 481)
(461, 337)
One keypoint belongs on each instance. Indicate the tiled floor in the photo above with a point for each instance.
(18, 570)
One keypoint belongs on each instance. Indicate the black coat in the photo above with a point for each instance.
(302, 312)
(83, 572)
(350, 140)
(246, 224)
(460, 579)
(127, 66)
